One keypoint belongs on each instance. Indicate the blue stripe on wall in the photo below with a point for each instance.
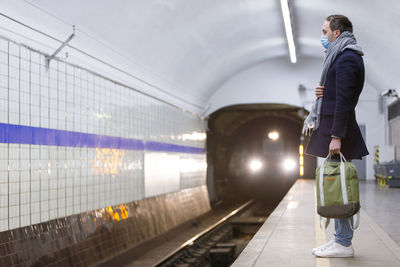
(19, 134)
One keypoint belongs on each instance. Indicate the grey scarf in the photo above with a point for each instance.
(346, 40)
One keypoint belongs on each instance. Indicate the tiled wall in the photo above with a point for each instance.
(86, 140)
(90, 238)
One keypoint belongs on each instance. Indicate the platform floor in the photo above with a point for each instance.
(292, 230)
(383, 205)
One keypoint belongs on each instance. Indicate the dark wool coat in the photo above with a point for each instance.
(344, 83)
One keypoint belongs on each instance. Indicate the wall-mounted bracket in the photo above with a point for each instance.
(48, 58)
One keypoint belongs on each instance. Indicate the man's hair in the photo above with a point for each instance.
(340, 22)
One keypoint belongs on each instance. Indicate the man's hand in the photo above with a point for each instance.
(319, 91)
(334, 146)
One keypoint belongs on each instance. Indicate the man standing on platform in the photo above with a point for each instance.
(332, 121)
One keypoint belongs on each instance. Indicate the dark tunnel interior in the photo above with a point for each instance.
(245, 162)
(251, 145)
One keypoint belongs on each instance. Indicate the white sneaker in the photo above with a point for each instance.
(323, 246)
(335, 251)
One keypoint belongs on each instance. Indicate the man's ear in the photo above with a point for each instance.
(337, 33)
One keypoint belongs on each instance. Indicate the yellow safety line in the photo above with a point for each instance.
(320, 238)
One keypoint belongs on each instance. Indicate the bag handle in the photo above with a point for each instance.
(342, 158)
(342, 180)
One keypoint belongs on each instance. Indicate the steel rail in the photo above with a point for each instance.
(203, 233)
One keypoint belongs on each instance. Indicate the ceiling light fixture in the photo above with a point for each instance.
(288, 29)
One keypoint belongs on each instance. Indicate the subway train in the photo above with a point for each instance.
(263, 158)
(276, 158)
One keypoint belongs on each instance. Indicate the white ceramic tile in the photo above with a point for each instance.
(53, 184)
(13, 188)
(4, 189)
(44, 196)
(61, 199)
(25, 188)
(3, 168)
(35, 173)
(61, 212)
(24, 151)
(3, 225)
(13, 212)
(3, 213)
(3, 94)
(35, 121)
(61, 184)
(44, 121)
(13, 95)
(35, 218)
(53, 196)
(13, 198)
(44, 215)
(25, 209)
(52, 214)
(35, 196)
(53, 123)
(24, 109)
(14, 167)
(4, 117)
(77, 100)
(24, 166)
(25, 220)
(69, 210)
(14, 156)
(35, 152)
(4, 201)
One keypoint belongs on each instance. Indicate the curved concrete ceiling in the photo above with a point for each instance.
(189, 48)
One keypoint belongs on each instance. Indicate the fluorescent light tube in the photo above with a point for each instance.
(288, 29)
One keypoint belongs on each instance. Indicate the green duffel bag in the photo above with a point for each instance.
(337, 189)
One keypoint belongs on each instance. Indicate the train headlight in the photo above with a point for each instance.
(289, 164)
(273, 135)
(255, 165)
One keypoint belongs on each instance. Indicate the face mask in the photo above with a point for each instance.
(324, 41)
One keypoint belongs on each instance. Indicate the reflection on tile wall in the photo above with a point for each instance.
(86, 143)
(89, 238)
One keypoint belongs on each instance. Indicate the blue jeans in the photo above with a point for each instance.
(343, 232)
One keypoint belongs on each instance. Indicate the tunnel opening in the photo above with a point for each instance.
(246, 162)
(256, 162)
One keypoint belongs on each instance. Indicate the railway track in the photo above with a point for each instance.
(221, 243)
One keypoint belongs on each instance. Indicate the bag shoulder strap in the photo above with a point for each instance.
(321, 185)
(357, 224)
(328, 220)
(343, 183)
